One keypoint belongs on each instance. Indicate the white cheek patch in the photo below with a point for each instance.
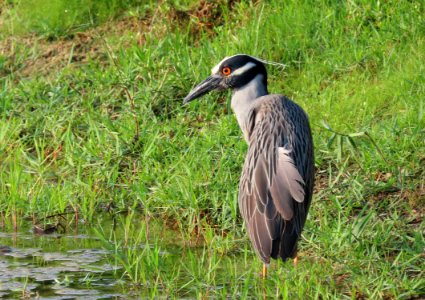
(245, 68)
(217, 67)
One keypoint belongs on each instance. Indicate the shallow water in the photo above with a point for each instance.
(96, 263)
(58, 266)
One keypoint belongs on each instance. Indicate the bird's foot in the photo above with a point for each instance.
(264, 273)
(296, 260)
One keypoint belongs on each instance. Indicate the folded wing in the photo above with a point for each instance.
(277, 177)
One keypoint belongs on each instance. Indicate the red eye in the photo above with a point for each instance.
(226, 71)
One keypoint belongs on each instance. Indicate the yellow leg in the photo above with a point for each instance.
(264, 271)
(296, 260)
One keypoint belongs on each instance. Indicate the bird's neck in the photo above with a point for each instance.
(244, 98)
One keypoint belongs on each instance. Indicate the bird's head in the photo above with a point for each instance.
(233, 72)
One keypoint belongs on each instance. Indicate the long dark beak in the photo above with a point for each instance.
(209, 84)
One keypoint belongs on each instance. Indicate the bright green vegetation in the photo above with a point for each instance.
(112, 133)
(58, 17)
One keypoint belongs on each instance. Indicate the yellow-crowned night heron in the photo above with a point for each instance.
(277, 178)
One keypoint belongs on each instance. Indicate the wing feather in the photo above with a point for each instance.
(277, 179)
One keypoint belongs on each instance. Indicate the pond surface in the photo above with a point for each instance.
(58, 266)
(103, 260)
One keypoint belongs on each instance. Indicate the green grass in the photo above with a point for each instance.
(58, 17)
(67, 142)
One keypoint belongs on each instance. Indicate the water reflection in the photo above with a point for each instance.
(57, 266)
